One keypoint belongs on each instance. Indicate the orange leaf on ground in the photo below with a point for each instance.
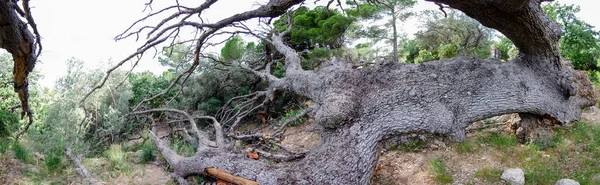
(220, 182)
(253, 155)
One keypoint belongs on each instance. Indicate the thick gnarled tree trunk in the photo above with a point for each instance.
(16, 38)
(359, 107)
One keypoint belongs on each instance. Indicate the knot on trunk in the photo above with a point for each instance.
(336, 109)
(586, 92)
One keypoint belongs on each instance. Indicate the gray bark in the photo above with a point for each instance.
(357, 108)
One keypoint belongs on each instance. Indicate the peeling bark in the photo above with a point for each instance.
(358, 108)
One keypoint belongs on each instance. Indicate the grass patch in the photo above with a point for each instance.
(413, 144)
(438, 169)
(117, 158)
(53, 163)
(4, 146)
(465, 147)
(499, 140)
(489, 175)
(21, 152)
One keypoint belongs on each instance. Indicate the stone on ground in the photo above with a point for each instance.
(566, 182)
(514, 176)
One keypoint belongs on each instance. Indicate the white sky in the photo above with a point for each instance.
(85, 29)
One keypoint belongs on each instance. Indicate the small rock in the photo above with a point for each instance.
(440, 144)
(566, 182)
(514, 176)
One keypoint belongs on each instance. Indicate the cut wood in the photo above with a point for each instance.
(223, 175)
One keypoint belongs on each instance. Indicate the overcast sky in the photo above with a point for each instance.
(85, 29)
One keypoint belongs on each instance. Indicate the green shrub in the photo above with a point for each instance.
(21, 152)
(438, 169)
(148, 153)
(53, 162)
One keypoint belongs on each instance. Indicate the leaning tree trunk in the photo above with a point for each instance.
(357, 108)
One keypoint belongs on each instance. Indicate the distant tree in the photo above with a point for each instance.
(392, 11)
(579, 41)
(451, 36)
(315, 28)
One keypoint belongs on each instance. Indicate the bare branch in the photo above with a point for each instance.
(283, 126)
(29, 122)
(292, 58)
(218, 130)
(201, 136)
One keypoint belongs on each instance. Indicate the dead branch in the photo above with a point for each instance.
(171, 156)
(218, 130)
(287, 121)
(200, 135)
(29, 122)
(11, 109)
(223, 175)
(281, 157)
(76, 161)
(249, 137)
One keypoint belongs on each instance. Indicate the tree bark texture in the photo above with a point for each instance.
(358, 108)
(20, 43)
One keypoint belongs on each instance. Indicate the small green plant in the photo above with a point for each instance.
(290, 114)
(489, 174)
(438, 169)
(465, 147)
(182, 147)
(199, 179)
(117, 157)
(147, 155)
(21, 152)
